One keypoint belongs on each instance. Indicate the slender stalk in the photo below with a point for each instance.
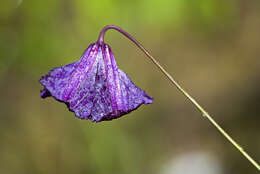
(198, 106)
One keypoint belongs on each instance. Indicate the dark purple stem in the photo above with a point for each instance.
(138, 44)
(129, 36)
(102, 33)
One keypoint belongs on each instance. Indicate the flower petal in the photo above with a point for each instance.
(94, 87)
(55, 81)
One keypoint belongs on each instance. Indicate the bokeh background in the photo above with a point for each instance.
(211, 47)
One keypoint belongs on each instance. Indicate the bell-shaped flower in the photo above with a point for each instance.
(94, 87)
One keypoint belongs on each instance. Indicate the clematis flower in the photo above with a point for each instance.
(94, 87)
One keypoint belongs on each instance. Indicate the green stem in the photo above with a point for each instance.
(198, 106)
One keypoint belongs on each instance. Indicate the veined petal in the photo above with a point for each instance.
(94, 87)
(56, 80)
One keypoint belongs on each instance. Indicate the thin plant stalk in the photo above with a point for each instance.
(174, 82)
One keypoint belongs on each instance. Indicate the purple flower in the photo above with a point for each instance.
(94, 87)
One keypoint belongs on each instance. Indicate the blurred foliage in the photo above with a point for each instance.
(210, 46)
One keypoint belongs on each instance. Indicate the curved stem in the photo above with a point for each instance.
(198, 106)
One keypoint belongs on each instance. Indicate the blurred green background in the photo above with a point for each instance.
(210, 46)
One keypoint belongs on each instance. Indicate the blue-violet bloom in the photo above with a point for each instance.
(94, 87)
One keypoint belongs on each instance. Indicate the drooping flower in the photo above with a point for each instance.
(94, 87)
